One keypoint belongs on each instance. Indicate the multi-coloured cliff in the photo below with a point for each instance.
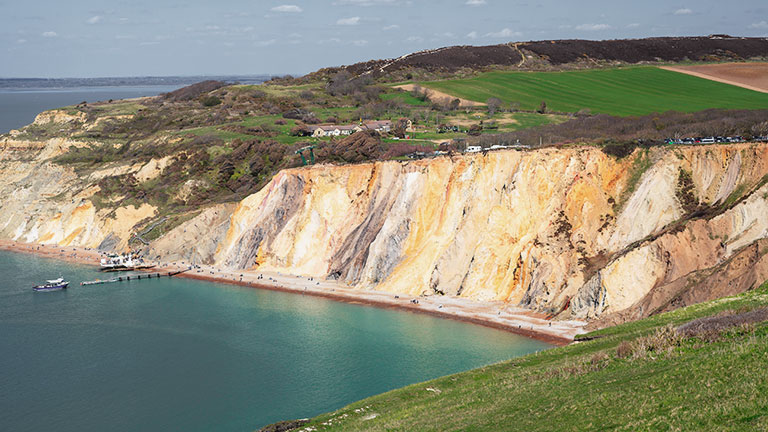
(572, 231)
(552, 229)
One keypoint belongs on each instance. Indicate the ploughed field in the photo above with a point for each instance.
(752, 75)
(621, 91)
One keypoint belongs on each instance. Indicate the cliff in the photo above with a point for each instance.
(570, 229)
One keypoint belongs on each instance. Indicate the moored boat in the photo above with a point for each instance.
(52, 285)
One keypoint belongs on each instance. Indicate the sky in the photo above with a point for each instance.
(100, 38)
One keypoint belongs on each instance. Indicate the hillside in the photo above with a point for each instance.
(559, 54)
(698, 368)
(573, 229)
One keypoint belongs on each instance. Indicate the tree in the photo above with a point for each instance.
(454, 105)
(301, 130)
(475, 130)
(493, 105)
(543, 108)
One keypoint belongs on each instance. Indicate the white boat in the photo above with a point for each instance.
(52, 285)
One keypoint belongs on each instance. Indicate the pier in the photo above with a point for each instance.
(134, 277)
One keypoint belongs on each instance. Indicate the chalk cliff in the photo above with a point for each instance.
(572, 231)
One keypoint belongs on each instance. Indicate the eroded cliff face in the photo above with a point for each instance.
(43, 202)
(541, 229)
(571, 230)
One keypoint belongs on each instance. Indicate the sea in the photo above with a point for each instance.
(176, 354)
(21, 99)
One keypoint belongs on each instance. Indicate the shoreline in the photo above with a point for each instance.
(495, 315)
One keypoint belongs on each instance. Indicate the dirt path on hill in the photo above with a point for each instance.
(435, 95)
(752, 76)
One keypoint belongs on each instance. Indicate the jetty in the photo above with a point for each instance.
(134, 277)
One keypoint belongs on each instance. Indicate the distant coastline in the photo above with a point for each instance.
(21, 99)
(62, 83)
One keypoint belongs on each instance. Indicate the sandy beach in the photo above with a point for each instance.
(491, 314)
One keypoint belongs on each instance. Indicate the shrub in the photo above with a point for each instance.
(210, 101)
(624, 350)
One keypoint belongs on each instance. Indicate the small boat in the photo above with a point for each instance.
(52, 285)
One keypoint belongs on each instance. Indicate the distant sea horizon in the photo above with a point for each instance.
(21, 99)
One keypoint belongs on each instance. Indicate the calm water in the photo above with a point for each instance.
(18, 107)
(182, 355)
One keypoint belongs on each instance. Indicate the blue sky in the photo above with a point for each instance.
(93, 38)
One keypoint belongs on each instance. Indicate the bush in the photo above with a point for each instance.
(301, 130)
(624, 350)
(210, 101)
(619, 150)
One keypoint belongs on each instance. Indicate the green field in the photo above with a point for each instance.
(405, 98)
(659, 380)
(622, 91)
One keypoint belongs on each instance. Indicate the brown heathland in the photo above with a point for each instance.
(753, 76)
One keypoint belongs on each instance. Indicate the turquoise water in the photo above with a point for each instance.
(183, 355)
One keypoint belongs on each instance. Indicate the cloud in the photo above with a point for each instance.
(287, 9)
(504, 33)
(21, 41)
(472, 35)
(592, 27)
(759, 25)
(475, 2)
(633, 25)
(365, 2)
(683, 11)
(414, 39)
(94, 19)
(349, 21)
(327, 41)
(391, 27)
(265, 43)
(361, 42)
(50, 34)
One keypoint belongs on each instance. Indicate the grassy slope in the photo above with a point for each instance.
(699, 385)
(624, 91)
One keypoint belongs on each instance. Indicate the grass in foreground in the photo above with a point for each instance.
(622, 91)
(637, 376)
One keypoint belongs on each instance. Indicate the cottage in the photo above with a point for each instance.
(380, 126)
(331, 130)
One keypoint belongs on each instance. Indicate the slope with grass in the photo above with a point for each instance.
(620, 91)
(646, 375)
